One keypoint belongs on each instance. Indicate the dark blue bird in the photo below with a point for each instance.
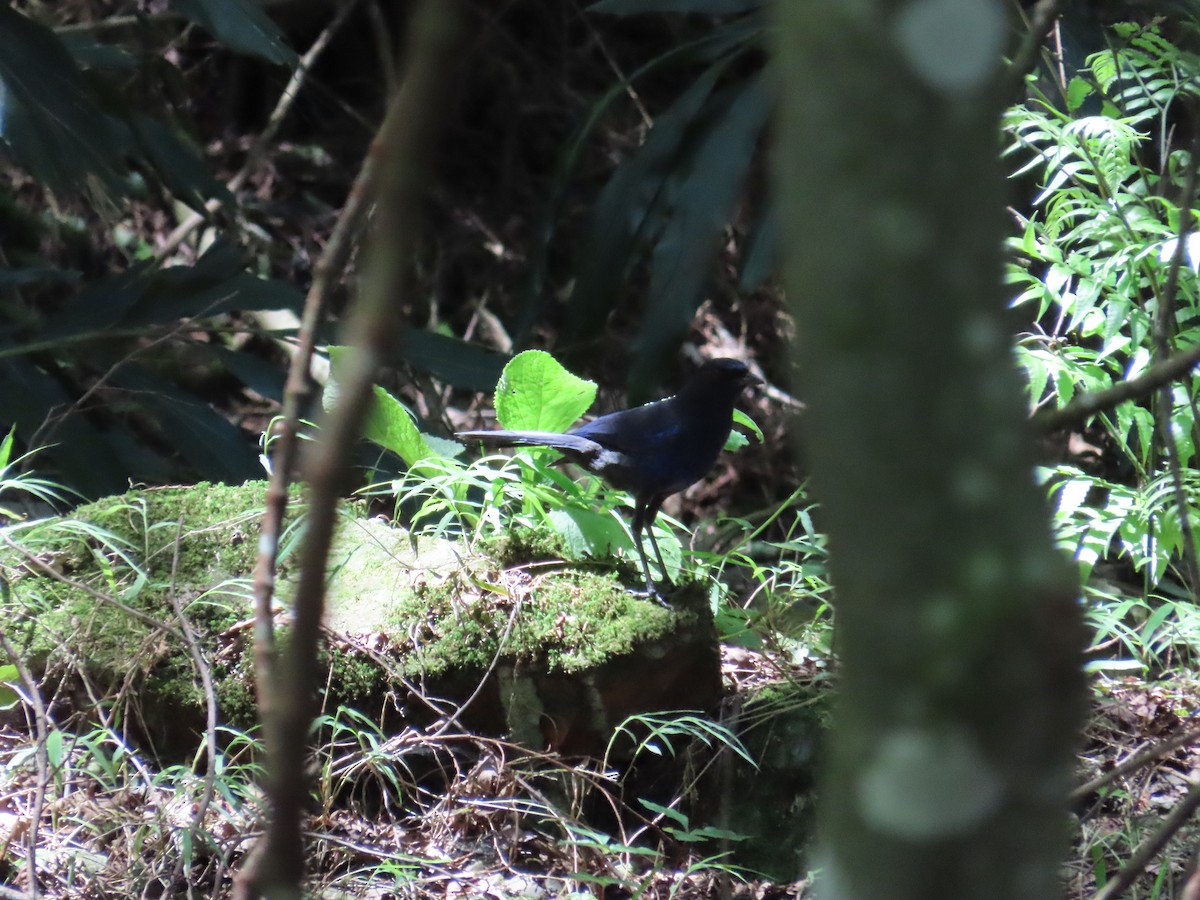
(651, 451)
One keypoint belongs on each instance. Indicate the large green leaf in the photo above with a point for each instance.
(390, 425)
(9, 675)
(240, 25)
(587, 534)
(536, 393)
(389, 422)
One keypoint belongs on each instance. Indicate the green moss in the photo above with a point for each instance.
(783, 727)
(235, 694)
(127, 555)
(569, 621)
(521, 545)
(125, 548)
(355, 679)
(446, 612)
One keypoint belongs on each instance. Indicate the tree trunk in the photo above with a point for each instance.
(958, 625)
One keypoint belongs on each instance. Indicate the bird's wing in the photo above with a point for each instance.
(636, 432)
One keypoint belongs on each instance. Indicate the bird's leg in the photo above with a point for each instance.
(650, 591)
(639, 525)
(651, 514)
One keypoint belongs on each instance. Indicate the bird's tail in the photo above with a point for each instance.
(528, 439)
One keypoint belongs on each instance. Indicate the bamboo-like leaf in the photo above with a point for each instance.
(762, 250)
(624, 206)
(241, 25)
(98, 461)
(177, 162)
(682, 257)
(49, 115)
(145, 296)
(702, 51)
(451, 360)
(215, 448)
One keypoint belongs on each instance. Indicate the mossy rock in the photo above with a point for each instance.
(772, 803)
(566, 650)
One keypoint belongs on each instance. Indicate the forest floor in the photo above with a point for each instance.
(502, 822)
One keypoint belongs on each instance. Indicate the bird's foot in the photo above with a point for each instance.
(651, 593)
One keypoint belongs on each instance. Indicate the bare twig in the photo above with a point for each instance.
(500, 645)
(1045, 14)
(383, 36)
(204, 671)
(285, 442)
(259, 147)
(1133, 762)
(630, 91)
(1150, 847)
(400, 150)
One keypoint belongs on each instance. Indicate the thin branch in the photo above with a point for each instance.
(383, 35)
(1087, 405)
(630, 91)
(401, 150)
(1151, 847)
(259, 147)
(284, 444)
(1134, 762)
(484, 680)
(1045, 14)
(204, 671)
